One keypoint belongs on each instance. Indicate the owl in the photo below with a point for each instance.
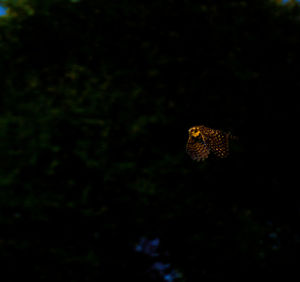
(203, 140)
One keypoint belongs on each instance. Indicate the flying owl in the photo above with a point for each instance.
(203, 140)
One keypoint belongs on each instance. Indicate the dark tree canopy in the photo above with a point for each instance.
(96, 101)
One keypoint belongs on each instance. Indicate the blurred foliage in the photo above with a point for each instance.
(96, 101)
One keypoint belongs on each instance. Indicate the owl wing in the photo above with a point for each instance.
(217, 141)
(196, 150)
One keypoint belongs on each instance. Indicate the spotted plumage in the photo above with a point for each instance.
(203, 140)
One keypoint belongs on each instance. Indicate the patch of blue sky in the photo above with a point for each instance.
(165, 271)
(2, 11)
(148, 247)
(173, 275)
(151, 248)
(160, 266)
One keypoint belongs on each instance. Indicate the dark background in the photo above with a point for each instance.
(96, 101)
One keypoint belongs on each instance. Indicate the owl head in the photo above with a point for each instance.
(194, 131)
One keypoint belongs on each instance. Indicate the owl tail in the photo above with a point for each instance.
(231, 137)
